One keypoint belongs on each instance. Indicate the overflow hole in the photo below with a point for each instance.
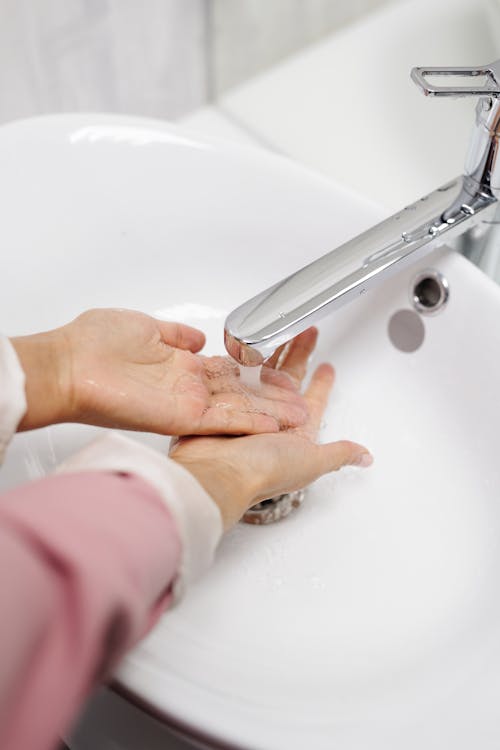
(430, 292)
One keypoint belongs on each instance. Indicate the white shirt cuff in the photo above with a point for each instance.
(12, 395)
(196, 515)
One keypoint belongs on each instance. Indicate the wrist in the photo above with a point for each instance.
(226, 486)
(42, 358)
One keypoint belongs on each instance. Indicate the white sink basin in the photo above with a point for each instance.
(371, 616)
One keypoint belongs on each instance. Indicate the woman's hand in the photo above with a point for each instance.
(239, 472)
(124, 369)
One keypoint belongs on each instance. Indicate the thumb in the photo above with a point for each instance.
(181, 336)
(344, 453)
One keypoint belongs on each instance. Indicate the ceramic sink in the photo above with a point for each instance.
(370, 617)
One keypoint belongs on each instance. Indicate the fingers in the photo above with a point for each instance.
(272, 362)
(277, 378)
(237, 414)
(332, 456)
(181, 336)
(317, 395)
(287, 407)
(296, 359)
(227, 421)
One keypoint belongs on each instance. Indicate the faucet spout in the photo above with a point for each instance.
(255, 329)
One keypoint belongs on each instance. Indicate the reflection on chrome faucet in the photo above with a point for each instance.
(462, 211)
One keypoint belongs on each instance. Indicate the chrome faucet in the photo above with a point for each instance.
(462, 210)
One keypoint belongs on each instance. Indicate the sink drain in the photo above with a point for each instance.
(274, 509)
(429, 292)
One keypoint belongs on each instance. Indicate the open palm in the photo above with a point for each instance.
(132, 371)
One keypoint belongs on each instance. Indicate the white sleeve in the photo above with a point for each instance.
(196, 515)
(12, 395)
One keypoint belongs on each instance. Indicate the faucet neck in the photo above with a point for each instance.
(482, 165)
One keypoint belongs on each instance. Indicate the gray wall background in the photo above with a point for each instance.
(161, 58)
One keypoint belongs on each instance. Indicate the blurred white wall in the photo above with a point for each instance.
(248, 36)
(161, 58)
(140, 56)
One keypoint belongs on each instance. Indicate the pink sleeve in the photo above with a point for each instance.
(87, 563)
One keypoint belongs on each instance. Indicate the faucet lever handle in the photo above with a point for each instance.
(490, 87)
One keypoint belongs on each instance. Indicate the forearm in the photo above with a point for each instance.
(87, 562)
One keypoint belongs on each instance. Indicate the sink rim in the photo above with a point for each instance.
(53, 127)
